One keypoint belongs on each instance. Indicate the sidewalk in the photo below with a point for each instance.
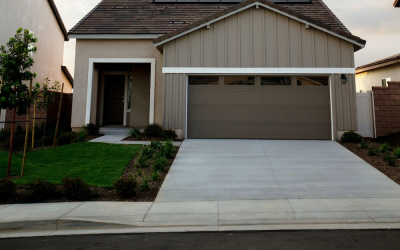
(71, 218)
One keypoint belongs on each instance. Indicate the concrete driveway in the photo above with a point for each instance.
(224, 170)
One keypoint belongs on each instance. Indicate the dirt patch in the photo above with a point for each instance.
(393, 139)
(105, 194)
(393, 172)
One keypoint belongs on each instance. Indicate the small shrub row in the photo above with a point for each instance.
(153, 131)
(40, 190)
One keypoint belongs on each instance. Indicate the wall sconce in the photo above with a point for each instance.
(344, 79)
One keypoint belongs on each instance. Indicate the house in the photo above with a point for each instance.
(396, 3)
(378, 73)
(280, 69)
(42, 18)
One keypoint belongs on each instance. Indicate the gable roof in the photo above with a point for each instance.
(146, 17)
(396, 3)
(59, 19)
(267, 4)
(379, 64)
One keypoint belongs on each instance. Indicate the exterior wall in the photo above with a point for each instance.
(140, 97)
(344, 105)
(86, 49)
(366, 80)
(38, 17)
(387, 108)
(259, 38)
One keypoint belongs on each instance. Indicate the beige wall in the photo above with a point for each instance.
(366, 80)
(38, 17)
(86, 49)
(258, 38)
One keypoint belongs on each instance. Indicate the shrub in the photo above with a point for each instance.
(4, 134)
(7, 188)
(80, 136)
(147, 152)
(390, 159)
(141, 162)
(168, 149)
(92, 129)
(155, 175)
(384, 148)
(144, 186)
(125, 187)
(169, 134)
(19, 141)
(135, 133)
(372, 151)
(159, 163)
(139, 172)
(48, 141)
(64, 139)
(363, 145)
(76, 189)
(38, 190)
(397, 153)
(153, 130)
(351, 136)
(155, 145)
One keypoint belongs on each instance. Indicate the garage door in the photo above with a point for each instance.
(255, 107)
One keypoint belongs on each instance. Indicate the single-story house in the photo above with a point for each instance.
(378, 73)
(281, 69)
(42, 18)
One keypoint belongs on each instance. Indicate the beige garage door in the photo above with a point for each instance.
(256, 107)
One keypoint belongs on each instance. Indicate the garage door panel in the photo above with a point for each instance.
(259, 112)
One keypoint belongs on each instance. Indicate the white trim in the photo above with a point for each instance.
(331, 108)
(92, 61)
(2, 118)
(265, 6)
(186, 122)
(283, 71)
(126, 98)
(114, 36)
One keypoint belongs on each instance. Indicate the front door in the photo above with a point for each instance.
(114, 92)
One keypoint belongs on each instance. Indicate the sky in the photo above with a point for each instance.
(373, 20)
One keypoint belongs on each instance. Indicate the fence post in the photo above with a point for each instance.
(58, 116)
(26, 130)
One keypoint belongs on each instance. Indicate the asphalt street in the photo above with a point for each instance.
(296, 240)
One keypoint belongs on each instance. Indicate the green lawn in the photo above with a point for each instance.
(98, 164)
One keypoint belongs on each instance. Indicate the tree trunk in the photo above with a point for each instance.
(11, 143)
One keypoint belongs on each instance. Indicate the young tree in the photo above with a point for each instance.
(15, 65)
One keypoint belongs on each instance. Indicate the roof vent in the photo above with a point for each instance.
(119, 7)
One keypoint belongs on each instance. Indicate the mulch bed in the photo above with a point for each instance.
(146, 138)
(393, 172)
(109, 194)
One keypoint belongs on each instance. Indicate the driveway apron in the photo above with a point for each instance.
(224, 170)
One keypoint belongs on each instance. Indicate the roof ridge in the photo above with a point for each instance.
(377, 62)
(86, 16)
(334, 16)
(265, 2)
(60, 22)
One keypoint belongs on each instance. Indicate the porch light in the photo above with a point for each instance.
(344, 79)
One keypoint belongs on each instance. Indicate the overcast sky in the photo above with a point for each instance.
(373, 20)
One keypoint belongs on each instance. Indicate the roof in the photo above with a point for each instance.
(145, 17)
(379, 64)
(59, 19)
(315, 19)
(396, 3)
(65, 70)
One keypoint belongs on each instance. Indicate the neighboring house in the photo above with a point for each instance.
(42, 18)
(378, 73)
(255, 69)
(396, 3)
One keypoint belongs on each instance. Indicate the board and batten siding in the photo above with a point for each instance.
(259, 38)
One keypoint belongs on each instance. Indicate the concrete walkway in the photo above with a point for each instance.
(224, 170)
(115, 135)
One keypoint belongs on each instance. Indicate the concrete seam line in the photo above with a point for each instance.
(362, 209)
(58, 219)
(145, 215)
(294, 212)
(5, 206)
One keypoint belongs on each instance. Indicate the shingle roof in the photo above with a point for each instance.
(145, 17)
(312, 20)
(59, 19)
(379, 64)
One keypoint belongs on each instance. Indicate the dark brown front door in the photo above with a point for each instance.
(114, 90)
